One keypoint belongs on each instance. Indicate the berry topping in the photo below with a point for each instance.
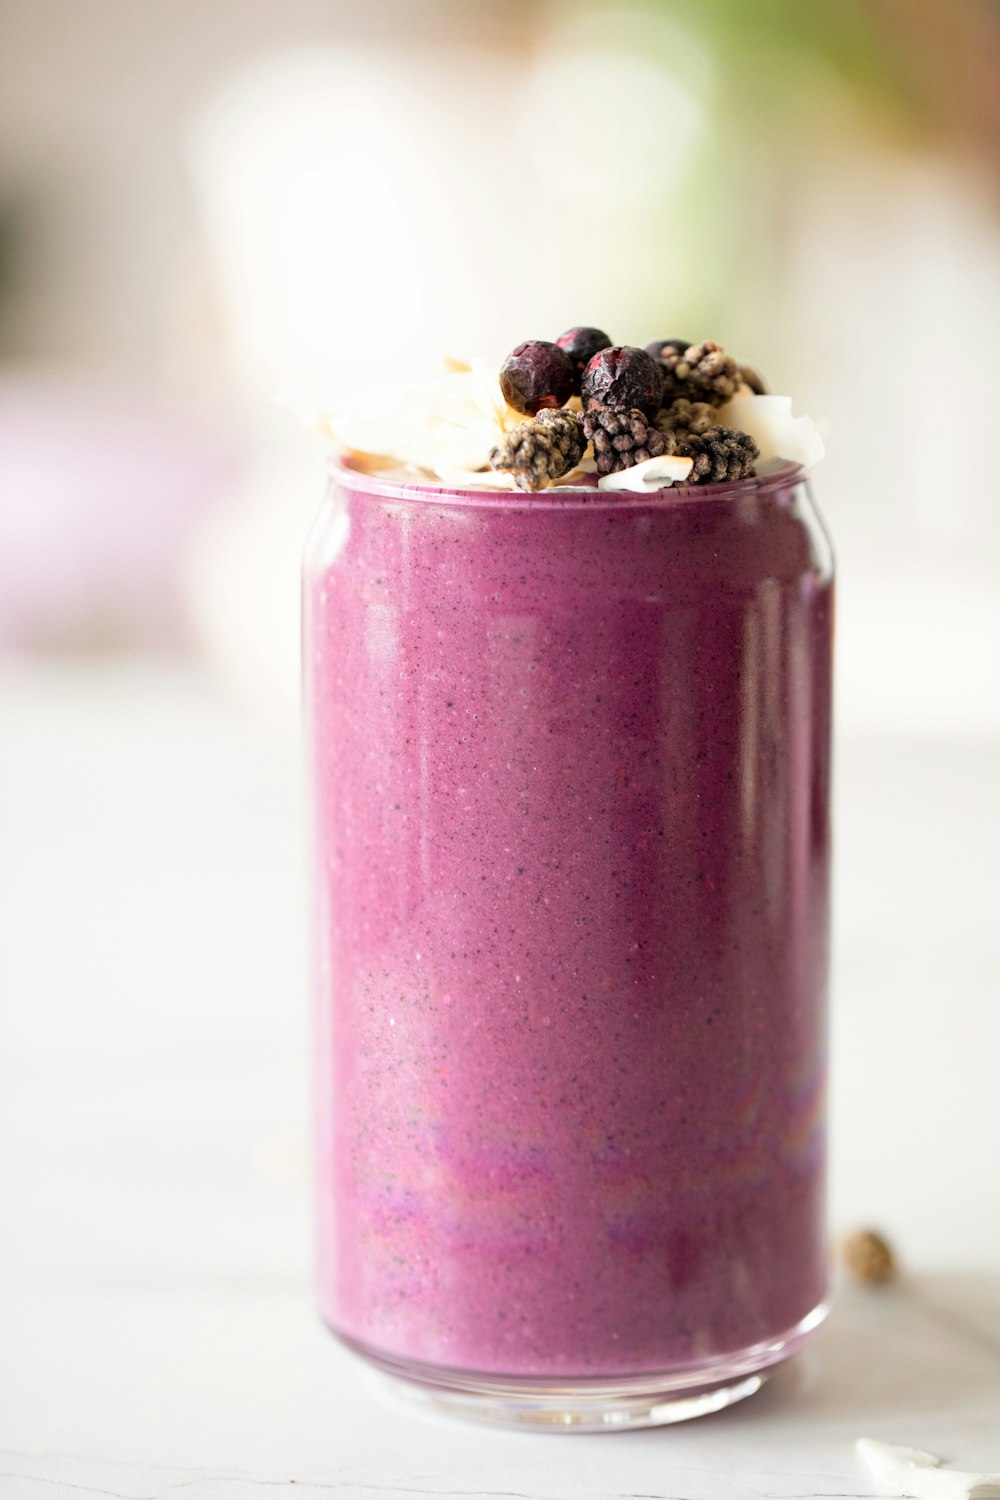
(622, 438)
(647, 406)
(536, 375)
(581, 344)
(540, 450)
(625, 378)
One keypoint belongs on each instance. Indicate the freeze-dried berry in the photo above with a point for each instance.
(675, 346)
(702, 372)
(581, 344)
(624, 378)
(754, 379)
(540, 450)
(537, 375)
(622, 439)
(684, 416)
(719, 454)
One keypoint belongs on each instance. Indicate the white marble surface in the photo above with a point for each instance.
(156, 1329)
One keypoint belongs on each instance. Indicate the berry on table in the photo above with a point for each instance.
(581, 344)
(535, 375)
(625, 378)
(623, 437)
(868, 1257)
(542, 449)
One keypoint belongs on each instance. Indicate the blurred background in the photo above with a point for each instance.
(211, 209)
(207, 207)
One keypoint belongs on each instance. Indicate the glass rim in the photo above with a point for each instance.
(566, 497)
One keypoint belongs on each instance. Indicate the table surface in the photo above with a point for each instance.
(157, 1335)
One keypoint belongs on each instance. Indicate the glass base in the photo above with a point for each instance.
(618, 1403)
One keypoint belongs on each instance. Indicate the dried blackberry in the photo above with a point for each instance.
(684, 416)
(622, 438)
(702, 372)
(720, 454)
(540, 450)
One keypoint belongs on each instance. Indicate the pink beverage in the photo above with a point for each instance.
(571, 774)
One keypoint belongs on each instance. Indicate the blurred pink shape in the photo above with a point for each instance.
(99, 493)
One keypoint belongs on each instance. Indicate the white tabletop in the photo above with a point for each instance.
(156, 1327)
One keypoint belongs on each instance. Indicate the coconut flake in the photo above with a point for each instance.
(443, 427)
(777, 433)
(476, 479)
(923, 1475)
(652, 474)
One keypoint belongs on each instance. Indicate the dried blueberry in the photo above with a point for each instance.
(536, 375)
(657, 347)
(581, 344)
(624, 377)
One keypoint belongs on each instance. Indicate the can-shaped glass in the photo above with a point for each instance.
(570, 760)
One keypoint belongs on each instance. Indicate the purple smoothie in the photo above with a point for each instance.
(571, 779)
